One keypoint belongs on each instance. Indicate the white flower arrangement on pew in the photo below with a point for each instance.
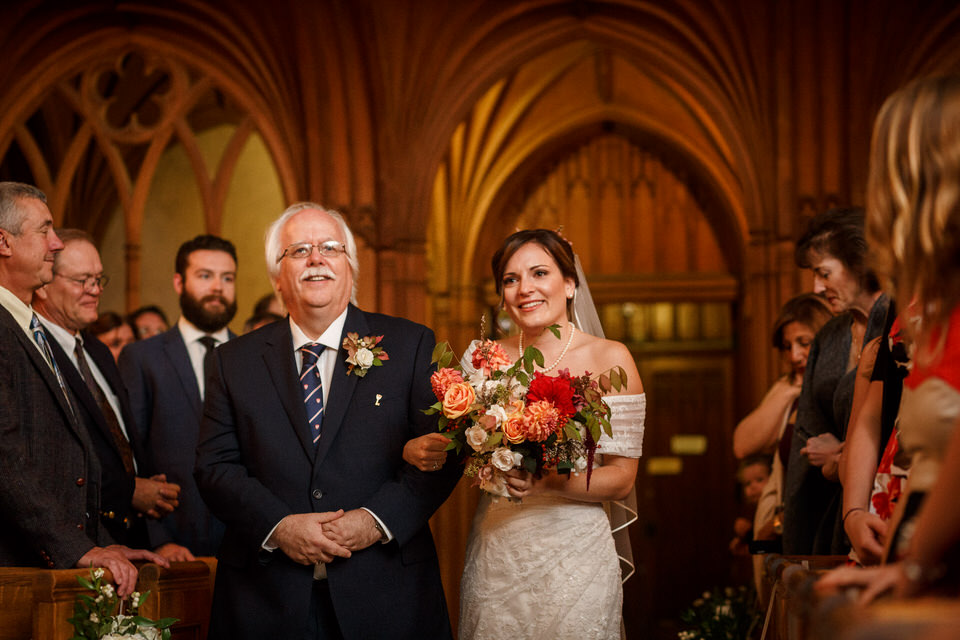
(100, 616)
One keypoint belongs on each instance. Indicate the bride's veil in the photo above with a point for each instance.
(622, 513)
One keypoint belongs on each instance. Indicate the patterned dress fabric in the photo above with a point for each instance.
(547, 567)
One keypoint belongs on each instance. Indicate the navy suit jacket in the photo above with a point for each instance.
(166, 406)
(49, 473)
(256, 464)
(117, 514)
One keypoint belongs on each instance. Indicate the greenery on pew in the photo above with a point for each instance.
(100, 616)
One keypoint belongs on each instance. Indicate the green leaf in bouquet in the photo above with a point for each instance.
(438, 351)
(571, 431)
(607, 429)
(494, 438)
(564, 466)
(615, 378)
(529, 464)
(453, 444)
(604, 382)
(555, 330)
(445, 360)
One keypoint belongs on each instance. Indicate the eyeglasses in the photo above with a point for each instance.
(302, 250)
(89, 282)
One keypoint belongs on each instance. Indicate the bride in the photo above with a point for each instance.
(546, 565)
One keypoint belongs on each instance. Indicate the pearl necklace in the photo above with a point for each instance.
(562, 353)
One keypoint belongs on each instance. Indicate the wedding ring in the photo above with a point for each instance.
(436, 465)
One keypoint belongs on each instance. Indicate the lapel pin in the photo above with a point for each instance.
(377, 403)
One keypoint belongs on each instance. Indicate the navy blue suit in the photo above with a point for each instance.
(166, 407)
(256, 464)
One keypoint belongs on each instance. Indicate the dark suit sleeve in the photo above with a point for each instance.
(232, 494)
(407, 503)
(140, 399)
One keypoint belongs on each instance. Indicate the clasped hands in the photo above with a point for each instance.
(309, 538)
(155, 497)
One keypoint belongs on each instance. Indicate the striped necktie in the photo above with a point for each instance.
(312, 388)
(40, 336)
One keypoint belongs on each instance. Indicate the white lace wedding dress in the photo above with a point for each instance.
(546, 567)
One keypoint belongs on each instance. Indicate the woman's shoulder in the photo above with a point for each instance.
(609, 354)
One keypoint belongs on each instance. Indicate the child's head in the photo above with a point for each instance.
(753, 473)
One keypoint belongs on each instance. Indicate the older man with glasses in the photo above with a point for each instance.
(68, 304)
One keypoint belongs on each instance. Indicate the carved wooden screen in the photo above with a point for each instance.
(96, 138)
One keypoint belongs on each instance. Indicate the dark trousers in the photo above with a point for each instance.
(322, 619)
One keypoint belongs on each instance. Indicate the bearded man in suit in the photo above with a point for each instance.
(49, 472)
(327, 528)
(67, 305)
(164, 376)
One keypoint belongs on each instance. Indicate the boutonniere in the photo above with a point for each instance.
(363, 353)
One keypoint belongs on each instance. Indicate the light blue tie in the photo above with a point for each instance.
(40, 336)
(312, 388)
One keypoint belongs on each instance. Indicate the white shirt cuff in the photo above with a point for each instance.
(386, 529)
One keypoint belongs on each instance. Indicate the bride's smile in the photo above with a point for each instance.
(535, 292)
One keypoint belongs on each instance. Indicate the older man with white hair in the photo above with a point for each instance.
(300, 455)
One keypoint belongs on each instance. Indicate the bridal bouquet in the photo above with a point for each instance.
(510, 417)
(100, 616)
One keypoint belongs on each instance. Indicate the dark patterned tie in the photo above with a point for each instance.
(123, 445)
(312, 388)
(40, 336)
(208, 342)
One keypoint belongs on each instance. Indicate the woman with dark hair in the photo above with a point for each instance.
(771, 423)
(112, 330)
(547, 566)
(834, 248)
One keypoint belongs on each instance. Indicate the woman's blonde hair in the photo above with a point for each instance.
(913, 201)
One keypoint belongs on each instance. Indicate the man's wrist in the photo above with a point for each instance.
(381, 534)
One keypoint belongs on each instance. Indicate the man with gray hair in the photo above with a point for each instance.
(300, 455)
(49, 473)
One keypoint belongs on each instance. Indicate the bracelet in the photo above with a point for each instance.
(843, 520)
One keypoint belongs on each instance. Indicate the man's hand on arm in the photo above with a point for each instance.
(356, 530)
(302, 536)
(155, 497)
(117, 559)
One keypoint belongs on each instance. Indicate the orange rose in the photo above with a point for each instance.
(457, 400)
(513, 428)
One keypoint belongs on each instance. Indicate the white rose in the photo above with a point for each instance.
(503, 459)
(580, 465)
(364, 358)
(476, 436)
(498, 412)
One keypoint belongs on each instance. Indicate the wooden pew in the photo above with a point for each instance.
(788, 583)
(797, 612)
(36, 603)
(16, 602)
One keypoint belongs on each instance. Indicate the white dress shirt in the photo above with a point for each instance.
(22, 315)
(326, 363)
(195, 349)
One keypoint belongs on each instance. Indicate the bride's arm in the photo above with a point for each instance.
(612, 481)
